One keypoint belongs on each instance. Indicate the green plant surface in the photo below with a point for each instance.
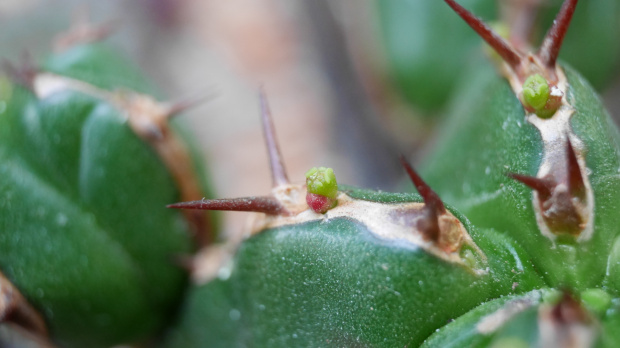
(487, 136)
(462, 332)
(332, 282)
(515, 321)
(99, 65)
(84, 230)
(427, 49)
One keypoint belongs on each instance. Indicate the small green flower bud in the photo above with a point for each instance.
(535, 92)
(322, 181)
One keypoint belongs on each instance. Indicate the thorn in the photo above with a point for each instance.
(185, 262)
(278, 173)
(83, 31)
(267, 205)
(430, 197)
(499, 44)
(542, 186)
(568, 310)
(22, 73)
(575, 179)
(178, 107)
(552, 42)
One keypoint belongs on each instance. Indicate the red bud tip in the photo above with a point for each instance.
(318, 203)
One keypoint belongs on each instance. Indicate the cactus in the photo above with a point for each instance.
(429, 54)
(510, 240)
(531, 268)
(87, 166)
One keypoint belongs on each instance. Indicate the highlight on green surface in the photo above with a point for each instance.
(322, 181)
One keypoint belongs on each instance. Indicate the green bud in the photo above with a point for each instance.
(535, 92)
(596, 300)
(322, 181)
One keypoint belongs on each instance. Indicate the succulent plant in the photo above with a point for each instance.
(429, 54)
(87, 166)
(525, 255)
(510, 241)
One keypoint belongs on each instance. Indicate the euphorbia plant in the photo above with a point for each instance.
(512, 242)
(381, 269)
(87, 163)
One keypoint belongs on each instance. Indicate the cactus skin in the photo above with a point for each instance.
(284, 290)
(469, 170)
(333, 282)
(426, 47)
(85, 235)
(523, 325)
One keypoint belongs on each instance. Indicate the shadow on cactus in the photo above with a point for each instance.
(388, 269)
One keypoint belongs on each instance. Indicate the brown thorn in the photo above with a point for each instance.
(267, 205)
(22, 73)
(575, 179)
(278, 173)
(569, 310)
(552, 43)
(430, 197)
(83, 31)
(176, 108)
(15, 308)
(185, 262)
(543, 187)
(499, 44)
(13, 335)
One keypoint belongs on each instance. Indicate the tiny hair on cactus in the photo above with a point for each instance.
(322, 189)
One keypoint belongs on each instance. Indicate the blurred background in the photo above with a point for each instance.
(351, 83)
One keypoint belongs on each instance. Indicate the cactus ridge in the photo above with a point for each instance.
(562, 195)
